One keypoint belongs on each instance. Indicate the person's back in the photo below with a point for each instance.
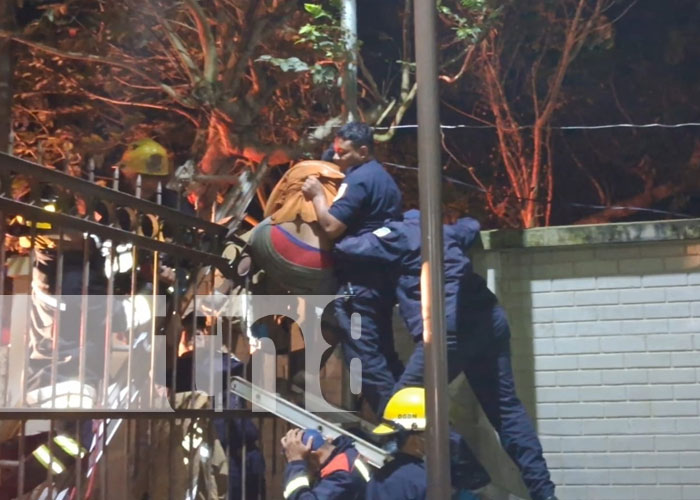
(404, 478)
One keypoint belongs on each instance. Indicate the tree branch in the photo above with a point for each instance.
(99, 60)
(206, 40)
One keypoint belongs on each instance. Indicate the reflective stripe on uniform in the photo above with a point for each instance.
(69, 445)
(295, 484)
(361, 468)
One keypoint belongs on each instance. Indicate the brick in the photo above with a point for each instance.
(693, 249)
(610, 492)
(614, 393)
(577, 345)
(655, 460)
(581, 410)
(550, 444)
(547, 410)
(641, 266)
(543, 379)
(687, 392)
(543, 346)
(565, 314)
(542, 329)
(552, 271)
(542, 315)
(621, 312)
(695, 308)
(672, 376)
(556, 363)
(694, 279)
(598, 328)
(578, 378)
(631, 343)
(688, 425)
(555, 299)
(606, 426)
(628, 409)
(557, 394)
(685, 358)
(635, 477)
(617, 253)
(696, 341)
(679, 476)
(643, 296)
(690, 493)
(559, 427)
(689, 262)
(602, 361)
(540, 286)
(607, 282)
(584, 443)
(690, 459)
(662, 250)
(659, 492)
(647, 360)
(645, 426)
(627, 377)
(596, 268)
(677, 443)
(586, 477)
(674, 408)
(598, 297)
(684, 325)
(674, 310)
(644, 326)
(650, 392)
(578, 492)
(668, 342)
(664, 280)
(683, 294)
(565, 329)
(570, 284)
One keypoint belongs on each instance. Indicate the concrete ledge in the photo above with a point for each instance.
(594, 234)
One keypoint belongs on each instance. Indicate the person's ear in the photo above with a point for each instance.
(364, 152)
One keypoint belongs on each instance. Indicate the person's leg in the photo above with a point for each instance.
(377, 378)
(466, 470)
(491, 377)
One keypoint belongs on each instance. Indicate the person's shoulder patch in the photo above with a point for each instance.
(339, 463)
(381, 232)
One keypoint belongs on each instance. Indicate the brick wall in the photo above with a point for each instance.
(606, 350)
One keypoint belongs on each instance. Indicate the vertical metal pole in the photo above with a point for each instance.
(7, 22)
(348, 22)
(432, 278)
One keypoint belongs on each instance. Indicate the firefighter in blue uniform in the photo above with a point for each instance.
(403, 477)
(366, 199)
(478, 335)
(319, 469)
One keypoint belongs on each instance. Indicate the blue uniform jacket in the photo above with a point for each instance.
(343, 476)
(398, 243)
(404, 478)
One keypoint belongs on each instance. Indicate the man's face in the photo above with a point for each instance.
(347, 155)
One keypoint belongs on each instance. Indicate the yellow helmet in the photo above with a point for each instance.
(146, 157)
(405, 409)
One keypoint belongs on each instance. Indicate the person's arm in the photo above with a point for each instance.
(330, 225)
(381, 246)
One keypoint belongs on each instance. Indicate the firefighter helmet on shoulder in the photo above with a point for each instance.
(146, 157)
(404, 411)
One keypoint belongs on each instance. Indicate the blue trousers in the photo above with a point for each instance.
(381, 366)
(482, 353)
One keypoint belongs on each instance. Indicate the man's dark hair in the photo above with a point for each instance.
(358, 133)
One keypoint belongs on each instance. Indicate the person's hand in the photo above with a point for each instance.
(294, 447)
(311, 188)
